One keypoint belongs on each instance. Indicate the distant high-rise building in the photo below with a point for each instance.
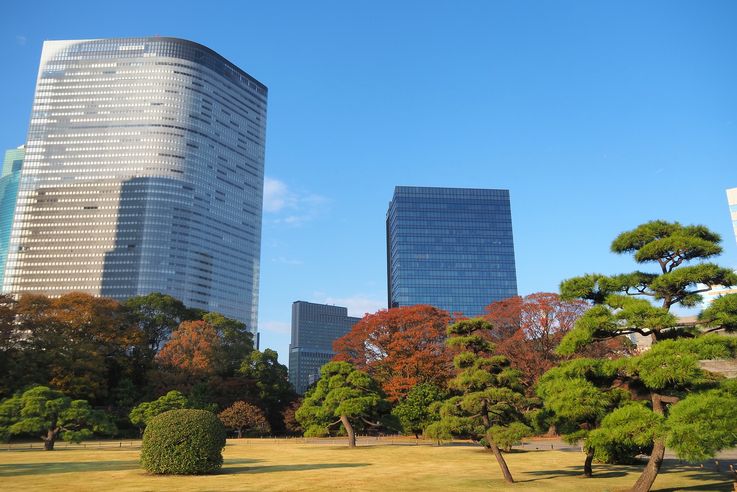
(451, 248)
(732, 201)
(12, 165)
(710, 295)
(314, 329)
(144, 173)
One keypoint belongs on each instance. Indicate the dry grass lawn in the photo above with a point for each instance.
(294, 466)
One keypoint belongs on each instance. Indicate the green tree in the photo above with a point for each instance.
(344, 392)
(489, 401)
(156, 315)
(142, 413)
(52, 414)
(639, 303)
(244, 417)
(273, 390)
(578, 394)
(417, 410)
(236, 342)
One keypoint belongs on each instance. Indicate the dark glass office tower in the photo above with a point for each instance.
(451, 248)
(144, 172)
(314, 329)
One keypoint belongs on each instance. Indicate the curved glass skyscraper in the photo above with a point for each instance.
(143, 173)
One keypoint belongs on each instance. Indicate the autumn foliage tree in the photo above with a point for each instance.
(528, 330)
(400, 348)
(192, 351)
(244, 417)
(77, 343)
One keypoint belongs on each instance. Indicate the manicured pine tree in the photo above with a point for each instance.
(488, 401)
(52, 414)
(579, 395)
(345, 393)
(662, 377)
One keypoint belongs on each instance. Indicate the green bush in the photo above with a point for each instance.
(183, 442)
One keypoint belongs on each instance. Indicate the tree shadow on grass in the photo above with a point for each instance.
(282, 468)
(19, 469)
(571, 471)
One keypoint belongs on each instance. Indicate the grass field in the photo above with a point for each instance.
(284, 465)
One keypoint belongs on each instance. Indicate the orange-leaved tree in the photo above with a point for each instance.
(400, 348)
(192, 352)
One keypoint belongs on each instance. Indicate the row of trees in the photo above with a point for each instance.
(114, 356)
(564, 362)
(532, 363)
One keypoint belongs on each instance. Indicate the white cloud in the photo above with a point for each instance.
(21, 40)
(276, 195)
(276, 327)
(358, 305)
(287, 261)
(291, 207)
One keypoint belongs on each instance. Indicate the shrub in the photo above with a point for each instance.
(183, 442)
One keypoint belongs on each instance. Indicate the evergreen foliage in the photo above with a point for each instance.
(344, 392)
(686, 406)
(419, 408)
(142, 413)
(183, 442)
(52, 414)
(488, 405)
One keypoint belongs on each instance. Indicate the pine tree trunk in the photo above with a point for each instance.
(502, 462)
(650, 473)
(587, 471)
(49, 440)
(349, 430)
(646, 480)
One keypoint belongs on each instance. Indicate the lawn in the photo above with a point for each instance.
(291, 465)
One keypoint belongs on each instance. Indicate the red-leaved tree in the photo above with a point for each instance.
(528, 329)
(400, 348)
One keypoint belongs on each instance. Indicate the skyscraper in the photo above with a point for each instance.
(451, 248)
(144, 173)
(12, 165)
(314, 328)
(719, 291)
(732, 201)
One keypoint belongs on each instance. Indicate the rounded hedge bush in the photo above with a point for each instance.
(183, 442)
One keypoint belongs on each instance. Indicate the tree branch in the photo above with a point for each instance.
(372, 424)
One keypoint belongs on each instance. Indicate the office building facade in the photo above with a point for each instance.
(143, 173)
(314, 329)
(12, 165)
(710, 295)
(451, 248)
(732, 201)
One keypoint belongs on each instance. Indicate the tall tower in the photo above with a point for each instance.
(144, 173)
(314, 329)
(732, 201)
(12, 165)
(451, 248)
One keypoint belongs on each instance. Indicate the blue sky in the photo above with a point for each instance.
(597, 116)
